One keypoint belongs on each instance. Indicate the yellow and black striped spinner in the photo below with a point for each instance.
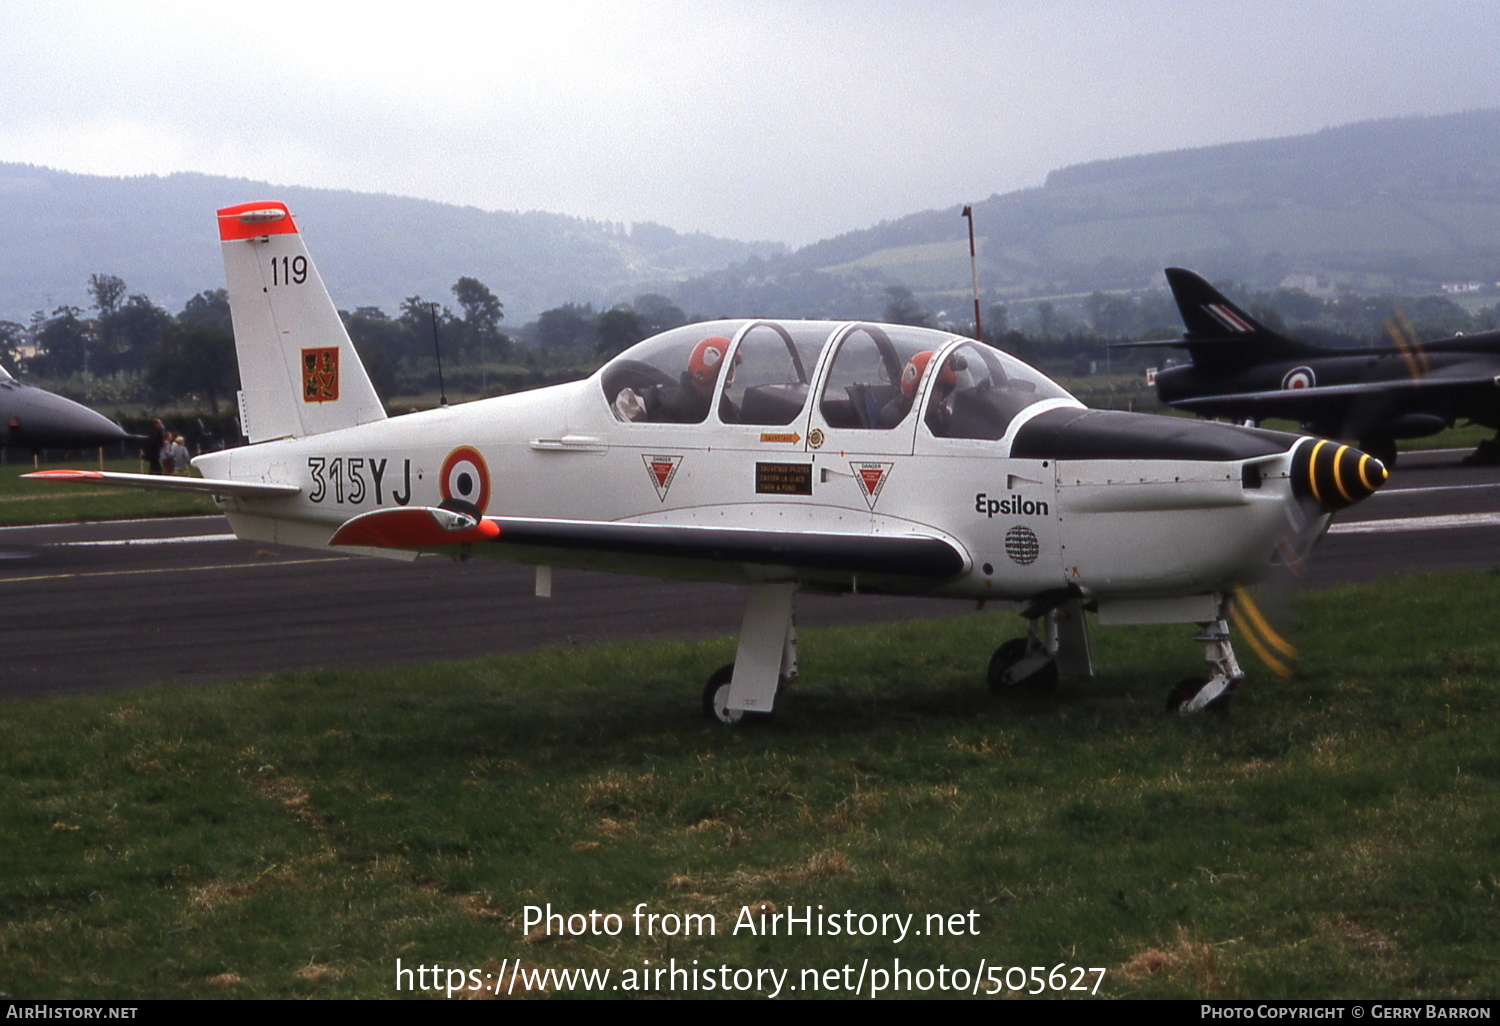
(1334, 474)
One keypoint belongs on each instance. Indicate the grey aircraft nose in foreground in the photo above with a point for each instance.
(33, 418)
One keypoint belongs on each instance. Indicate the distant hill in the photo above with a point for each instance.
(159, 235)
(1403, 204)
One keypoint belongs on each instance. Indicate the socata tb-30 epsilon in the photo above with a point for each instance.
(782, 455)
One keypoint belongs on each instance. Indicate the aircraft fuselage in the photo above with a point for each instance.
(1030, 515)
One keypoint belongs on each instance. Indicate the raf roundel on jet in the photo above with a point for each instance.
(782, 455)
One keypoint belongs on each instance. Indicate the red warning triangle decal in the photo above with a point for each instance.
(662, 470)
(871, 478)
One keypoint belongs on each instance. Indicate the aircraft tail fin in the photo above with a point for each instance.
(1220, 333)
(299, 373)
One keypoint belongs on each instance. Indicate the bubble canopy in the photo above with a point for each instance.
(865, 376)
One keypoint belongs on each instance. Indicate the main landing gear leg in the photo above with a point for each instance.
(765, 661)
(1195, 693)
(1056, 645)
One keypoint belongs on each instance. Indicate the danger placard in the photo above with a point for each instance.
(662, 470)
(871, 478)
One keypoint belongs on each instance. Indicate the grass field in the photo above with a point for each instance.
(1334, 835)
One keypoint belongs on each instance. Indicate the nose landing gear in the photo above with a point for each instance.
(1212, 692)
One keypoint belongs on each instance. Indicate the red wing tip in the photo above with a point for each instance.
(485, 530)
(64, 475)
(412, 529)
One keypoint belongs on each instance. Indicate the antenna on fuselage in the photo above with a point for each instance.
(442, 390)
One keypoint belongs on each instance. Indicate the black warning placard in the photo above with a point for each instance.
(783, 478)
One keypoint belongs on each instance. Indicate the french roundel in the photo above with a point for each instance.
(1299, 377)
(465, 477)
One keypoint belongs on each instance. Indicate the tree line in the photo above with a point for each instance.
(124, 348)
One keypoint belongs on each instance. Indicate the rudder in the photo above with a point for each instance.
(1219, 333)
(299, 372)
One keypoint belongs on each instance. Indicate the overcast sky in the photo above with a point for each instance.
(791, 120)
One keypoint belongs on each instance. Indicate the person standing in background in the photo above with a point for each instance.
(156, 443)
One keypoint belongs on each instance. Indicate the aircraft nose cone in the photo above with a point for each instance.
(50, 421)
(1335, 475)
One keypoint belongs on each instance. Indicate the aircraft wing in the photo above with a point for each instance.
(428, 528)
(165, 482)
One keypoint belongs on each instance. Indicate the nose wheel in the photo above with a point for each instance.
(1193, 693)
(1212, 692)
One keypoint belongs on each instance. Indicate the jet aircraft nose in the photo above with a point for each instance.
(45, 420)
(1335, 475)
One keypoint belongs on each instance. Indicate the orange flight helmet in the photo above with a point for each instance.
(947, 377)
(705, 360)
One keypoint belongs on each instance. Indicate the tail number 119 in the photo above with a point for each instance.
(288, 270)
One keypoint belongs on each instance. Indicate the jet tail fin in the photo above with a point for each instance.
(1222, 335)
(299, 372)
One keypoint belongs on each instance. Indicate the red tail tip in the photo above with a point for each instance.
(252, 220)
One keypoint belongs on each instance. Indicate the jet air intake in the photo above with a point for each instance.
(1335, 475)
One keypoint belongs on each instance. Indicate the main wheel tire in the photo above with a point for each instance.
(1001, 675)
(716, 699)
(716, 696)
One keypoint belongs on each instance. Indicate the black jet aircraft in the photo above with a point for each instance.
(1241, 369)
(33, 418)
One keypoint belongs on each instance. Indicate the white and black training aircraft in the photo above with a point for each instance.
(783, 455)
